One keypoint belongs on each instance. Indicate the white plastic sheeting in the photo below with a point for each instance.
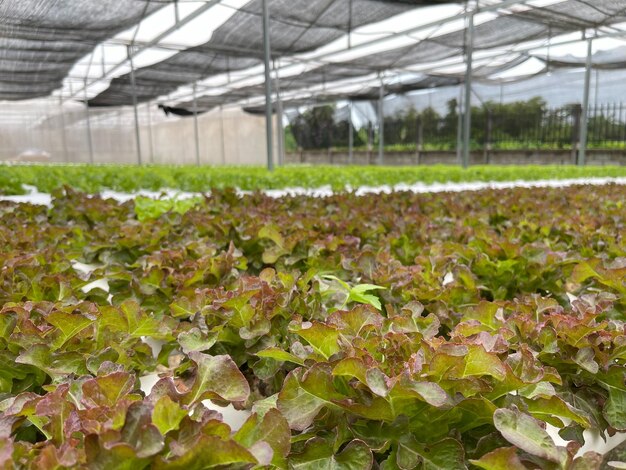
(35, 197)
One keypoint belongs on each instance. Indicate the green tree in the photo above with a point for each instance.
(313, 129)
(316, 129)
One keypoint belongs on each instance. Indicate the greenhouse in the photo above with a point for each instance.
(353, 82)
(313, 234)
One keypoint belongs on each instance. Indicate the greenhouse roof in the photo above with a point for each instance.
(40, 40)
(321, 49)
(613, 59)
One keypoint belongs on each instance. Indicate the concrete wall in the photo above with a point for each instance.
(495, 157)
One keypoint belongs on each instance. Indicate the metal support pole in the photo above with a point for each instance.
(488, 132)
(150, 136)
(459, 128)
(136, 112)
(349, 24)
(280, 132)
(89, 141)
(370, 142)
(103, 62)
(196, 132)
(63, 134)
(267, 52)
(223, 135)
(381, 124)
(350, 135)
(467, 121)
(419, 139)
(597, 88)
(228, 78)
(582, 151)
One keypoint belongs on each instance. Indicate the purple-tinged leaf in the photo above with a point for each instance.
(6, 452)
(585, 359)
(208, 452)
(305, 393)
(377, 382)
(504, 458)
(56, 408)
(319, 454)
(323, 338)
(353, 322)
(56, 365)
(107, 390)
(351, 367)
(590, 461)
(216, 377)
(273, 430)
(68, 325)
(140, 433)
(428, 392)
(280, 355)
(443, 455)
(554, 408)
(615, 408)
(525, 432)
(118, 455)
(476, 363)
(196, 340)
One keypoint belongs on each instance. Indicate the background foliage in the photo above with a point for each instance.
(128, 178)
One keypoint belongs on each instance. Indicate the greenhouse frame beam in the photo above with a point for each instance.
(280, 132)
(459, 127)
(135, 110)
(486, 8)
(196, 132)
(489, 55)
(223, 135)
(417, 29)
(177, 25)
(88, 126)
(63, 133)
(467, 108)
(432, 24)
(267, 56)
(365, 80)
(150, 134)
(373, 42)
(350, 134)
(381, 124)
(89, 136)
(584, 125)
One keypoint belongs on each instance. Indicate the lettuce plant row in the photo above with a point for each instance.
(395, 331)
(127, 178)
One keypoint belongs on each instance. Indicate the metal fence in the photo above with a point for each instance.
(518, 126)
(502, 128)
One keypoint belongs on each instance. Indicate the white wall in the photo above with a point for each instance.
(229, 137)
